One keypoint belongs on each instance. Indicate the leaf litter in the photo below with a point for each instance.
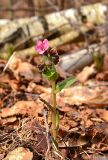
(83, 109)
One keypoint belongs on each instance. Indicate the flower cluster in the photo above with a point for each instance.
(42, 47)
(49, 57)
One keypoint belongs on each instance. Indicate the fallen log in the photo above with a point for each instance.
(36, 26)
(63, 39)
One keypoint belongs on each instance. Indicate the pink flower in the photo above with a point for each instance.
(42, 46)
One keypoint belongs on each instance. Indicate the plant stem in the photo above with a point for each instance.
(54, 130)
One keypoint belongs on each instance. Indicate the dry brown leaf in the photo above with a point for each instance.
(81, 141)
(105, 116)
(1, 156)
(22, 108)
(19, 153)
(24, 69)
(8, 120)
(95, 96)
(88, 123)
(34, 88)
(86, 73)
(104, 74)
(74, 142)
(96, 120)
(103, 113)
(99, 157)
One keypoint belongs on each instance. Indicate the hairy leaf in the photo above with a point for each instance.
(50, 73)
(65, 84)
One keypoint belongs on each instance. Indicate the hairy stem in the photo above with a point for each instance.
(54, 130)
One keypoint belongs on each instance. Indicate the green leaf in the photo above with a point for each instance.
(65, 84)
(50, 73)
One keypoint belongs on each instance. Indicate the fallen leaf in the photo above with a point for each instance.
(99, 157)
(19, 153)
(103, 113)
(88, 123)
(9, 120)
(34, 88)
(24, 69)
(104, 74)
(81, 141)
(93, 96)
(86, 73)
(22, 108)
(1, 156)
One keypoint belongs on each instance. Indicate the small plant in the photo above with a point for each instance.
(50, 58)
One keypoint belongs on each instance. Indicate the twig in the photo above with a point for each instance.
(9, 61)
(41, 99)
(48, 105)
(45, 113)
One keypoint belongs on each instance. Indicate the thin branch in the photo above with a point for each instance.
(9, 61)
(45, 113)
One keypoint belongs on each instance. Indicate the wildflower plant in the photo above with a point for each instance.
(50, 58)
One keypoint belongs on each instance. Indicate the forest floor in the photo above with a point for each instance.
(83, 110)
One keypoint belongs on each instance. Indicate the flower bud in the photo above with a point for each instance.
(53, 52)
(41, 67)
(55, 59)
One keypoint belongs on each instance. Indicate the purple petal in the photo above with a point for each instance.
(39, 46)
(45, 44)
(41, 52)
(42, 46)
(39, 43)
(38, 49)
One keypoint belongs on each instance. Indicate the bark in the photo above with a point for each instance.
(62, 22)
